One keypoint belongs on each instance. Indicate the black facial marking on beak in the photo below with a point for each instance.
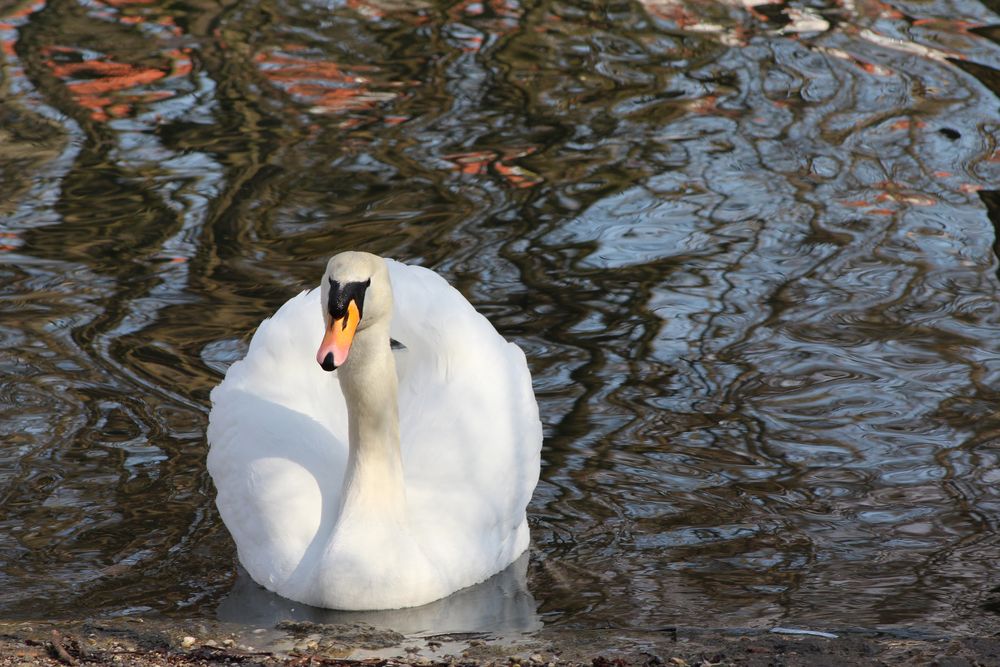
(341, 294)
(328, 364)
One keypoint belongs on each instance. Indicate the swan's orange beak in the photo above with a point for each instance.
(338, 338)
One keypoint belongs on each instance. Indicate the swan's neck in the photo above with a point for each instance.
(373, 481)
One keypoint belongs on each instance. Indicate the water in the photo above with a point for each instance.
(748, 251)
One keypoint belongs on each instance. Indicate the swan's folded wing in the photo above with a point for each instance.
(276, 443)
(470, 430)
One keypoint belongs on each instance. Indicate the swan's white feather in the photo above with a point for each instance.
(470, 440)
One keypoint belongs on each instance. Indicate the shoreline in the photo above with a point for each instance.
(146, 642)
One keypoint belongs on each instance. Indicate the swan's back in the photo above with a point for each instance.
(469, 429)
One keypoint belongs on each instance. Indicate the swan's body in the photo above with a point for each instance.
(332, 500)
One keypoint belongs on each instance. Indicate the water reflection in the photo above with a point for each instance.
(747, 248)
(502, 605)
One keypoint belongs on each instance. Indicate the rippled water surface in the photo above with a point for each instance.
(748, 248)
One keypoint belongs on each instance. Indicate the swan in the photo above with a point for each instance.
(379, 443)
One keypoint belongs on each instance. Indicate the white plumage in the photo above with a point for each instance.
(469, 444)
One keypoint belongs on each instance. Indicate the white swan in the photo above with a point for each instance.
(400, 478)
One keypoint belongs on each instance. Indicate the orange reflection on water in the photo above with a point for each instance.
(477, 163)
(111, 89)
(326, 86)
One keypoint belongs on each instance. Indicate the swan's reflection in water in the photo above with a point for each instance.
(500, 605)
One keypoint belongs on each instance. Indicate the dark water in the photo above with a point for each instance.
(748, 251)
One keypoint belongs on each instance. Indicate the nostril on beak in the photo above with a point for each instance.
(328, 364)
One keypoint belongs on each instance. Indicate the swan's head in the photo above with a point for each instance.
(355, 294)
